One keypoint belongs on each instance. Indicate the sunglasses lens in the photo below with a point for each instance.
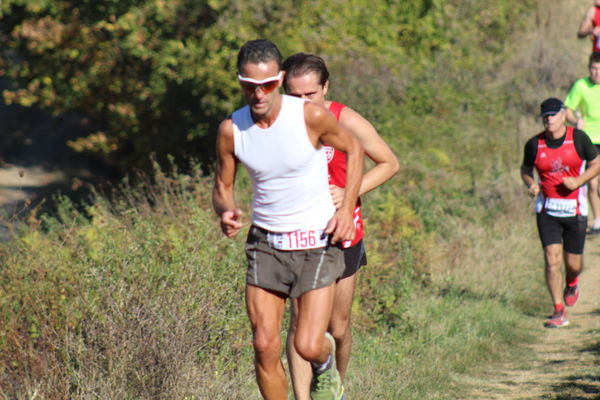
(247, 86)
(269, 86)
(266, 88)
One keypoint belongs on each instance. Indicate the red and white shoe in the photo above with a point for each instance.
(557, 320)
(571, 294)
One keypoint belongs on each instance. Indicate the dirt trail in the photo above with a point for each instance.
(564, 362)
(18, 183)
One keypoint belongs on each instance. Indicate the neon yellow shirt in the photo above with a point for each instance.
(585, 97)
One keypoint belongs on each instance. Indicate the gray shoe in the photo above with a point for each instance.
(593, 231)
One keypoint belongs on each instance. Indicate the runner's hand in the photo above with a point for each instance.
(231, 222)
(337, 195)
(570, 182)
(534, 189)
(341, 226)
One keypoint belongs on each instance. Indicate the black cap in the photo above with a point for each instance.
(551, 106)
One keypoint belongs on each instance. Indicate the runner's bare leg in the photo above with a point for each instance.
(594, 197)
(339, 325)
(300, 369)
(573, 264)
(314, 311)
(553, 258)
(265, 310)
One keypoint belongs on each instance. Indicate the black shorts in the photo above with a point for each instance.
(354, 258)
(567, 230)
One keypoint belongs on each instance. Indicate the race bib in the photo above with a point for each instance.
(298, 240)
(560, 207)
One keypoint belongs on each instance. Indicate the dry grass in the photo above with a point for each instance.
(547, 58)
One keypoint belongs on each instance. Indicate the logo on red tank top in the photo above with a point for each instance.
(329, 153)
(558, 167)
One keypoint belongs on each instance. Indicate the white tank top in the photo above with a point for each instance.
(289, 176)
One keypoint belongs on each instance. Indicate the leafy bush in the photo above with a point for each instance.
(158, 76)
(129, 299)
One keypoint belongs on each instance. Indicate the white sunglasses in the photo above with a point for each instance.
(263, 81)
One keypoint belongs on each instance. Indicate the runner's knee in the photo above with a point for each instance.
(310, 350)
(340, 328)
(553, 265)
(267, 345)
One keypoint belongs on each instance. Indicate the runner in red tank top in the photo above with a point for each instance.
(590, 25)
(565, 160)
(307, 77)
(336, 163)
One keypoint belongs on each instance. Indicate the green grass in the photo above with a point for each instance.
(444, 335)
(143, 299)
(137, 295)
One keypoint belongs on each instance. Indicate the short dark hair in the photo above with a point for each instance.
(594, 58)
(302, 63)
(258, 51)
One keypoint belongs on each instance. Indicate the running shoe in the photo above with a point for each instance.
(557, 320)
(593, 231)
(571, 294)
(327, 385)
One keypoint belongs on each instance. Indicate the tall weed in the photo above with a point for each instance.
(127, 299)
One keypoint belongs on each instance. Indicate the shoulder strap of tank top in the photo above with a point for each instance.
(336, 108)
(570, 131)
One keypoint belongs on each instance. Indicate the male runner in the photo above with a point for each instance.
(307, 77)
(590, 25)
(584, 96)
(279, 139)
(560, 155)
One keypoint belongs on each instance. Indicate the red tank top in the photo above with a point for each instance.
(552, 166)
(336, 164)
(596, 39)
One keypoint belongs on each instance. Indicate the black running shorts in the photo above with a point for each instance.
(354, 258)
(290, 273)
(567, 230)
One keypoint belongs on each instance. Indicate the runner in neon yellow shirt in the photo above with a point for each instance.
(584, 97)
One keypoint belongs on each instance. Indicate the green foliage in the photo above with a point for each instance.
(439, 340)
(142, 297)
(152, 74)
(397, 258)
(158, 76)
(139, 295)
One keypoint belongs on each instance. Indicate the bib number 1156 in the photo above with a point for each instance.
(297, 240)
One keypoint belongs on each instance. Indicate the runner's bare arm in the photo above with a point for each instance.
(574, 120)
(223, 198)
(587, 24)
(592, 170)
(386, 163)
(323, 128)
(527, 176)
